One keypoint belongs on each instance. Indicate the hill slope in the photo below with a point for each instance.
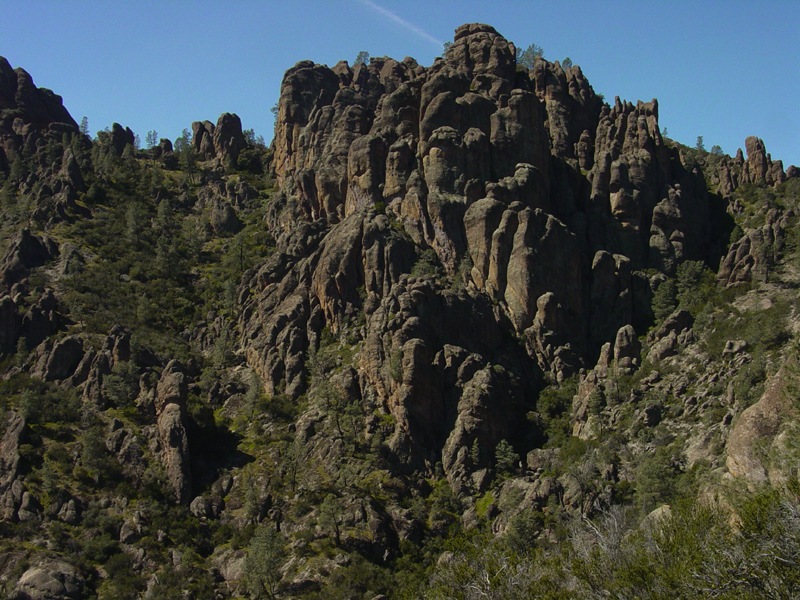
(457, 321)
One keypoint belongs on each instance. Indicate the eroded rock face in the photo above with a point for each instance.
(35, 105)
(223, 141)
(763, 434)
(26, 252)
(170, 404)
(9, 449)
(461, 151)
(36, 130)
(749, 258)
(51, 580)
(544, 203)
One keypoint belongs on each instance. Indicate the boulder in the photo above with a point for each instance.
(51, 580)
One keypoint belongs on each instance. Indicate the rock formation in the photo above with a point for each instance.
(451, 308)
(170, 405)
(224, 141)
(526, 186)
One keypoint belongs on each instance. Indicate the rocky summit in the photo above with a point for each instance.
(466, 330)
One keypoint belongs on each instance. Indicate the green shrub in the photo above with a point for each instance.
(665, 300)
(428, 265)
(506, 460)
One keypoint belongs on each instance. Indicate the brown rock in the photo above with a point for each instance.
(756, 442)
(63, 359)
(228, 139)
(478, 50)
(202, 139)
(26, 252)
(39, 106)
(530, 274)
(664, 348)
(9, 449)
(626, 351)
(756, 166)
(171, 413)
(751, 257)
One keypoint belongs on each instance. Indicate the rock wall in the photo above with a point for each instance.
(38, 142)
(544, 203)
(528, 175)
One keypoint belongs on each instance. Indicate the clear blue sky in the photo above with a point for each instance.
(723, 70)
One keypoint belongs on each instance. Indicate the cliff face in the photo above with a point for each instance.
(542, 203)
(528, 176)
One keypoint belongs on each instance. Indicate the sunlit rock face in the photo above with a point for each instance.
(543, 203)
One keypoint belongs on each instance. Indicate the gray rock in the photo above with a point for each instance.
(52, 580)
(129, 533)
(26, 252)
(9, 449)
(70, 512)
(626, 350)
(201, 507)
(29, 509)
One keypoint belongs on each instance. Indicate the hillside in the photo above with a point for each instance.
(461, 331)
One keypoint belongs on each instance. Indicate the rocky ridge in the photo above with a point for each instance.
(463, 322)
(531, 191)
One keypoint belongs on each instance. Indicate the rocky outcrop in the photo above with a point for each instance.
(38, 145)
(223, 141)
(726, 174)
(759, 169)
(9, 325)
(626, 351)
(764, 434)
(20, 98)
(751, 257)
(58, 360)
(26, 252)
(9, 449)
(438, 377)
(543, 203)
(116, 140)
(527, 175)
(51, 580)
(170, 406)
(40, 320)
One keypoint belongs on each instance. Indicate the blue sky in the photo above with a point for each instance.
(723, 70)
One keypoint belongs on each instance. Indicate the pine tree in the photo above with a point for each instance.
(264, 560)
(527, 58)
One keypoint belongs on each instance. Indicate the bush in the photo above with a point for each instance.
(122, 385)
(428, 265)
